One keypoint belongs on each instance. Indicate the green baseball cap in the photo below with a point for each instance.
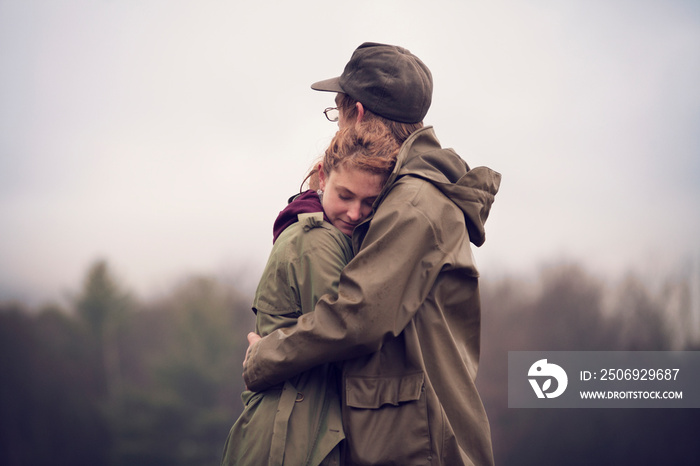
(388, 80)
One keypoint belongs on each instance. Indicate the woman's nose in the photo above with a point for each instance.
(355, 212)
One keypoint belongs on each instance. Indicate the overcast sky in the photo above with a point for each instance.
(166, 135)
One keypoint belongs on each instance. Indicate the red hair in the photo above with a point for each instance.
(366, 146)
(400, 131)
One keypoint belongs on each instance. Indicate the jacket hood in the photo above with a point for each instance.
(303, 203)
(472, 190)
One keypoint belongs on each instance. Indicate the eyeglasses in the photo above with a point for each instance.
(332, 113)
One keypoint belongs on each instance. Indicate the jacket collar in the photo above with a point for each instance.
(472, 190)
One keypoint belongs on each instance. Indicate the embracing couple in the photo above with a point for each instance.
(368, 314)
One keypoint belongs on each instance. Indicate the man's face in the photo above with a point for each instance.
(342, 119)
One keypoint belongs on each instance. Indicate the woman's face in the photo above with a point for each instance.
(348, 195)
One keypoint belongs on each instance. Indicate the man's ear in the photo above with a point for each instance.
(360, 111)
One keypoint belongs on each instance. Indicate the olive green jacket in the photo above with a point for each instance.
(406, 320)
(297, 422)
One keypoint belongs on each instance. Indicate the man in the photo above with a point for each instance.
(406, 322)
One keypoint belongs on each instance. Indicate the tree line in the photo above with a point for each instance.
(113, 381)
(108, 379)
(566, 308)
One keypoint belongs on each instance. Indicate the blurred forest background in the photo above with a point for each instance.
(162, 135)
(108, 379)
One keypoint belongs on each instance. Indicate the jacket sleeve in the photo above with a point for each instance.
(301, 270)
(379, 292)
(317, 271)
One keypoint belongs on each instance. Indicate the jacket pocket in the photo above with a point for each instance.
(386, 420)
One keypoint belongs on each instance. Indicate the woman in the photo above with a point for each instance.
(298, 422)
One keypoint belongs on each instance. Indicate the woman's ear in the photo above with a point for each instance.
(321, 176)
